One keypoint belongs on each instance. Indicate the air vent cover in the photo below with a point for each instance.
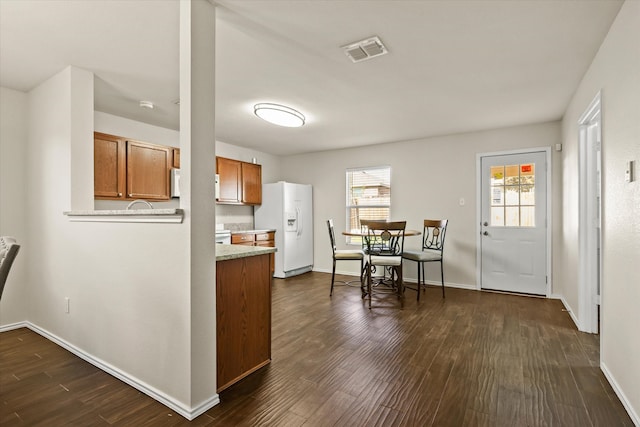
(365, 49)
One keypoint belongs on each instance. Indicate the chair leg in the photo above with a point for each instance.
(333, 276)
(442, 276)
(419, 287)
(369, 285)
(401, 286)
(362, 276)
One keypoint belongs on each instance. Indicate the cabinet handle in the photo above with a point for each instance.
(130, 194)
(119, 194)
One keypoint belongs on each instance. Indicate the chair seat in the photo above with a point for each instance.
(386, 260)
(425, 255)
(348, 254)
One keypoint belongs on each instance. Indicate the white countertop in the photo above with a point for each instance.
(123, 215)
(226, 252)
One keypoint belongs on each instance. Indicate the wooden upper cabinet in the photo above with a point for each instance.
(126, 169)
(176, 158)
(251, 184)
(109, 158)
(240, 182)
(148, 167)
(230, 173)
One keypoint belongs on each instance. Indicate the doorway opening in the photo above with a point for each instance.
(590, 230)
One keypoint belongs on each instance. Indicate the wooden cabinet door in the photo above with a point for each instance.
(243, 317)
(251, 184)
(247, 239)
(230, 172)
(109, 169)
(176, 158)
(148, 169)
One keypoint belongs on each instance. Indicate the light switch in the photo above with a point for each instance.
(462, 202)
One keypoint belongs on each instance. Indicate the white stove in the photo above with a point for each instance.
(223, 236)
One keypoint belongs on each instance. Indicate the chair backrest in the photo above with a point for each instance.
(8, 251)
(385, 237)
(332, 235)
(434, 234)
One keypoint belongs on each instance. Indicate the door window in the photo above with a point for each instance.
(512, 195)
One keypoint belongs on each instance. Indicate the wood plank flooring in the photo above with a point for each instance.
(472, 359)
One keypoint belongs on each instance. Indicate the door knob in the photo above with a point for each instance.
(485, 234)
(485, 223)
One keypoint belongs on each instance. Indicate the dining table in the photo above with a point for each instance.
(364, 233)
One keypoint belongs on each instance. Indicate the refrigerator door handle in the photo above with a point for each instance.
(299, 222)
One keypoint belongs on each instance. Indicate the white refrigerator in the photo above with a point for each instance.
(288, 208)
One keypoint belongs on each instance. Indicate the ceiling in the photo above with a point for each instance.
(452, 67)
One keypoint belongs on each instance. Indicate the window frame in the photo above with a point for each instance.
(356, 240)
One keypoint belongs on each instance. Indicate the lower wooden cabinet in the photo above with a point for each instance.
(267, 239)
(243, 317)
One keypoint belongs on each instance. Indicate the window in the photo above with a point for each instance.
(368, 196)
(513, 195)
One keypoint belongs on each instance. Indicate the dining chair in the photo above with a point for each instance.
(432, 250)
(8, 251)
(385, 243)
(343, 255)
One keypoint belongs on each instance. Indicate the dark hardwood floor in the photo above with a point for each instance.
(473, 359)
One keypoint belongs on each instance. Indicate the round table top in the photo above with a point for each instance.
(407, 233)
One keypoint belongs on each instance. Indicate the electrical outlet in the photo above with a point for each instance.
(66, 305)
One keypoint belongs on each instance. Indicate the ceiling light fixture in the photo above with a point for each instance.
(279, 115)
(146, 104)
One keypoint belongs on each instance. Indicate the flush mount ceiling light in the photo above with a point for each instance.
(279, 115)
(146, 104)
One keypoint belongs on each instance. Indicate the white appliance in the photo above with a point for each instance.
(223, 236)
(288, 208)
(175, 182)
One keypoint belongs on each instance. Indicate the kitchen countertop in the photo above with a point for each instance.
(123, 215)
(226, 252)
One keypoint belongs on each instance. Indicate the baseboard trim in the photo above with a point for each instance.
(623, 398)
(177, 406)
(566, 307)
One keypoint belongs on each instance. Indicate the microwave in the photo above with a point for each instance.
(175, 182)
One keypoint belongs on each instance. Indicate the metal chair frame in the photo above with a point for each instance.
(384, 246)
(432, 251)
(343, 255)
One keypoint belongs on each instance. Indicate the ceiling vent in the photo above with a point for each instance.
(365, 49)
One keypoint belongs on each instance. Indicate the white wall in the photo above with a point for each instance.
(127, 283)
(142, 296)
(13, 178)
(616, 71)
(428, 178)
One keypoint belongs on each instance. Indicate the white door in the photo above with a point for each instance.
(513, 247)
